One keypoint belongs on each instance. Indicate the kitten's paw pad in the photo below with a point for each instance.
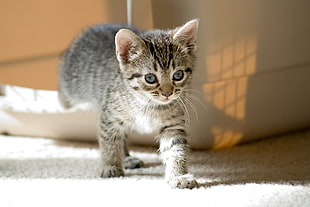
(132, 163)
(111, 171)
(182, 182)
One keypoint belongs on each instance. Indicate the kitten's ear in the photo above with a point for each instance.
(187, 33)
(128, 45)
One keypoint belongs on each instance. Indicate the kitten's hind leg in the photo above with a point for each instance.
(129, 161)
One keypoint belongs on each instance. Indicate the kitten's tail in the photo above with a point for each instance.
(64, 102)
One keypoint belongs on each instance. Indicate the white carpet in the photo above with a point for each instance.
(44, 172)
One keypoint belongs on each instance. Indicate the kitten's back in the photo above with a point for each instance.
(89, 65)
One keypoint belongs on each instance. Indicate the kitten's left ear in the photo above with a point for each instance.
(187, 33)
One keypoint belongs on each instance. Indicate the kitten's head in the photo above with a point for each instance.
(158, 64)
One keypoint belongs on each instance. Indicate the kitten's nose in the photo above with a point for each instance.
(166, 93)
(166, 90)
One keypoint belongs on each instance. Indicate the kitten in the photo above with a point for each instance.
(137, 79)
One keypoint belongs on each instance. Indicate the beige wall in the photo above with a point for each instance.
(34, 33)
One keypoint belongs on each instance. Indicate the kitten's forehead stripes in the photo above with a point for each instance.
(155, 66)
(170, 55)
(162, 53)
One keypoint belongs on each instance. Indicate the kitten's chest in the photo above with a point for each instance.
(145, 123)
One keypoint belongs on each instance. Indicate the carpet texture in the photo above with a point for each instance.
(45, 172)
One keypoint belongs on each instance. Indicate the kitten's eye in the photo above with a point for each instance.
(177, 76)
(150, 78)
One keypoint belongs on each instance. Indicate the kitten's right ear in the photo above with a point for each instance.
(128, 46)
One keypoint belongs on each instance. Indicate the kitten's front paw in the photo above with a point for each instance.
(132, 163)
(184, 181)
(111, 171)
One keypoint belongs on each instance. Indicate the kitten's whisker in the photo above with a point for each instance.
(186, 113)
(192, 96)
(192, 106)
(193, 90)
(200, 102)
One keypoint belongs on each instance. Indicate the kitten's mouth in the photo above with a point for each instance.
(163, 100)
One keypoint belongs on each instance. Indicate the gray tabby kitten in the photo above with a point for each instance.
(137, 80)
